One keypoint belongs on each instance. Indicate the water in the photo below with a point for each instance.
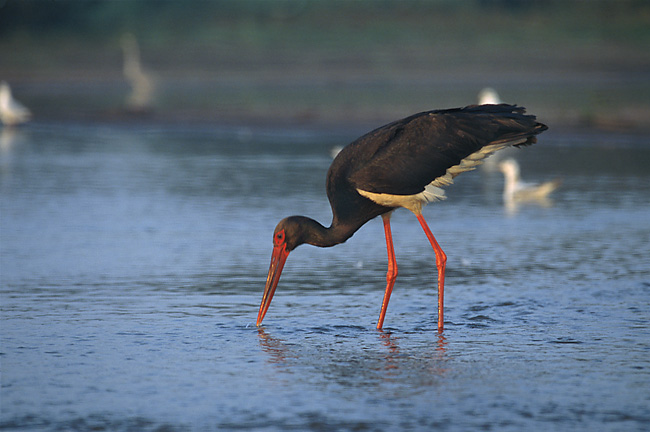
(133, 260)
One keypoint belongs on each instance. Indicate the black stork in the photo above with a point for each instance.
(402, 164)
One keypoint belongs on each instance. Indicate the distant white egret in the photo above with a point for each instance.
(12, 112)
(488, 96)
(334, 151)
(517, 191)
(142, 85)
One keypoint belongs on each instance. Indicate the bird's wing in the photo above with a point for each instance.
(402, 158)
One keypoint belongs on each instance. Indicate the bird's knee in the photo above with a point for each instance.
(441, 258)
(391, 275)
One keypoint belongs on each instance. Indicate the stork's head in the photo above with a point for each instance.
(290, 233)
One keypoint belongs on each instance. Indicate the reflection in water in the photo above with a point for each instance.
(512, 206)
(113, 241)
(274, 347)
(10, 139)
(431, 363)
(7, 139)
(392, 355)
(354, 358)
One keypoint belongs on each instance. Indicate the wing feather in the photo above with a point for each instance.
(403, 157)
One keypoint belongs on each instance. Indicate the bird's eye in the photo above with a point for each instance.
(279, 237)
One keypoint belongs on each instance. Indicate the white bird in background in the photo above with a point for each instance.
(334, 151)
(142, 86)
(488, 96)
(12, 112)
(516, 191)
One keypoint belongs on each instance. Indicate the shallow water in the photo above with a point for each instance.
(133, 261)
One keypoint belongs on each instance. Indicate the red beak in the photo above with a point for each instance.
(278, 259)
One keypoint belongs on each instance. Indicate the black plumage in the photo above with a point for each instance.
(403, 157)
(400, 159)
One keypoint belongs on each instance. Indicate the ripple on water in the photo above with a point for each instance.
(132, 274)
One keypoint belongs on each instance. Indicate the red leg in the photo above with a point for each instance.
(391, 275)
(441, 262)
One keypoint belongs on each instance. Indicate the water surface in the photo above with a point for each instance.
(133, 260)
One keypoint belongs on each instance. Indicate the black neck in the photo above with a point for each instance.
(314, 233)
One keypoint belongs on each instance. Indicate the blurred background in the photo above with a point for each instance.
(167, 138)
(362, 63)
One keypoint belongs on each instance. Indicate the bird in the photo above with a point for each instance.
(335, 150)
(12, 112)
(406, 163)
(516, 190)
(488, 96)
(142, 85)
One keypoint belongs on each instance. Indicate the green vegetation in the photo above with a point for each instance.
(322, 23)
(576, 62)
